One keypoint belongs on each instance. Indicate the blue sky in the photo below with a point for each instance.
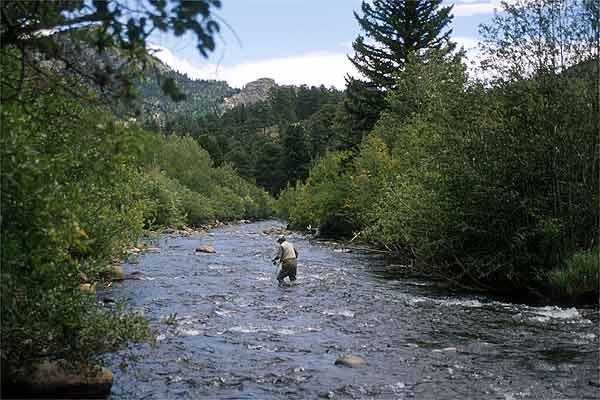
(293, 41)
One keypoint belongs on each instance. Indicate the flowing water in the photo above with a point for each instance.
(226, 331)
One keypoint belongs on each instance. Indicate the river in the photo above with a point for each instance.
(225, 330)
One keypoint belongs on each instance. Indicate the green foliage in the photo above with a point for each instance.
(70, 201)
(165, 200)
(490, 185)
(579, 277)
(397, 30)
(273, 142)
(183, 186)
(198, 208)
(197, 99)
(78, 187)
(320, 201)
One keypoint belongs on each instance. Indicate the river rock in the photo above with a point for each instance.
(134, 250)
(114, 272)
(83, 278)
(206, 249)
(135, 275)
(51, 379)
(350, 361)
(87, 287)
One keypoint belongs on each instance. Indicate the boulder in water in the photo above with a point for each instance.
(350, 361)
(206, 249)
(87, 287)
(53, 379)
(135, 275)
(114, 272)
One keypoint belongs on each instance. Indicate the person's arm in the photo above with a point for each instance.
(278, 256)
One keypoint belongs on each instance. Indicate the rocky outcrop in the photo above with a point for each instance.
(253, 92)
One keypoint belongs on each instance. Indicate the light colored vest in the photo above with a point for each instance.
(287, 251)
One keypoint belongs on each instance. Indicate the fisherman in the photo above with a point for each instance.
(287, 255)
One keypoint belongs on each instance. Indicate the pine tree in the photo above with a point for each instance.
(394, 29)
(397, 28)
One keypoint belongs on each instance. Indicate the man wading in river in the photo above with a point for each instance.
(287, 255)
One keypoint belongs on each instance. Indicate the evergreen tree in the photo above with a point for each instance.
(394, 28)
(398, 28)
(295, 152)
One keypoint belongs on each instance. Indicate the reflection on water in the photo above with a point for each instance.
(226, 331)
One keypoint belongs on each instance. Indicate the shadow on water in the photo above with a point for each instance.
(224, 330)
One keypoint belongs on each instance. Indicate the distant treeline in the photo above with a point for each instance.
(274, 141)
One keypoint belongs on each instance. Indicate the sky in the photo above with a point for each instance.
(294, 41)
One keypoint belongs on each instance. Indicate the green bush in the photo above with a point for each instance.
(71, 201)
(320, 202)
(493, 197)
(164, 196)
(183, 187)
(199, 209)
(228, 204)
(578, 278)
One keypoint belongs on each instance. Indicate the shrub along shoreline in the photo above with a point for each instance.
(78, 189)
(503, 198)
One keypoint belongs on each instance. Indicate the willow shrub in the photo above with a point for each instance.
(165, 200)
(320, 201)
(498, 195)
(184, 187)
(579, 277)
(492, 186)
(70, 201)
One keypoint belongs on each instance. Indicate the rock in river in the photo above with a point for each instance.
(114, 272)
(87, 287)
(350, 361)
(206, 249)
(53, 379)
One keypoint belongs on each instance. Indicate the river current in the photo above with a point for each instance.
(225, 330)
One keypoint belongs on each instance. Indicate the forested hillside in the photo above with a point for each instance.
(273, 142)
(196, 99)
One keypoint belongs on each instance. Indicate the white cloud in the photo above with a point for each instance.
(181, 65)
(327, 68)
(473, 53)
(468, 43)
(467, 8)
